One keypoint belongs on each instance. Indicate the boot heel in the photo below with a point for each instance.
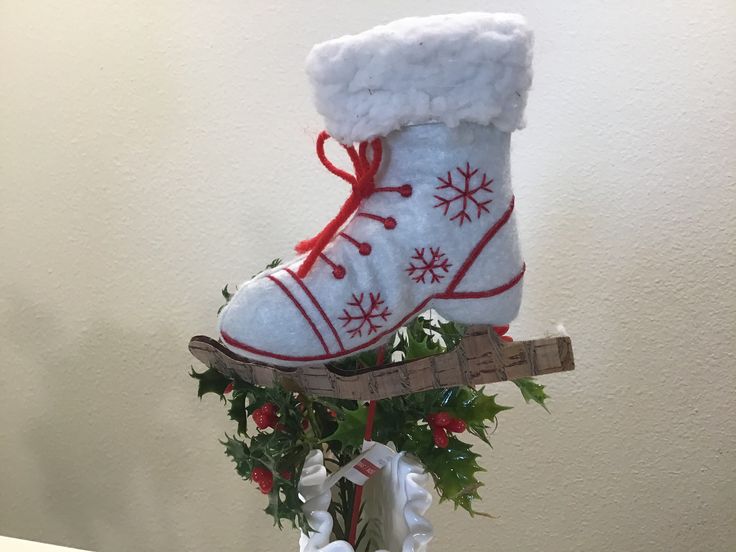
(497, 310)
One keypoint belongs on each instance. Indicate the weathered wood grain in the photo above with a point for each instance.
(480, 358)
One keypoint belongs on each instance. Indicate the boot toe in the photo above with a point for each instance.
(264, 322)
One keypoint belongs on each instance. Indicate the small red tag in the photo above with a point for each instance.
(366, 467)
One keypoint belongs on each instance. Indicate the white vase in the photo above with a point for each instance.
(396, 499)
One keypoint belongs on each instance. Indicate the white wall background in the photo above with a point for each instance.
(150, 152)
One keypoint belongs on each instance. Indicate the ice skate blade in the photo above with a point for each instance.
(481, 357)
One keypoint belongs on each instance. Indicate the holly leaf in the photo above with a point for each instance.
(450, 333)
(272, 264)
(453, 469)
(532, 391)
(364, 359)
(420, 341)
(284, 503)
(350, 427)
(237, 411)
(210, 381)
(474, 407)
(227, 295)
(240, 454)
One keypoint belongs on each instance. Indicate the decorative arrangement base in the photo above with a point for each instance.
(396, 500)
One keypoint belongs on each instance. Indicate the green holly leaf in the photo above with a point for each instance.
(350, 427)
(532, 391)
(420, 340)
(450, 333)
(237, 411)
(239, 452)
(284, 503)
(227, 295)
(272, 264)
(453, 469)
(360, 361)
(426, 336)
(474, 407)
(210, 381)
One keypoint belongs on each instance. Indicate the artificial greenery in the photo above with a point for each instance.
(278, 445)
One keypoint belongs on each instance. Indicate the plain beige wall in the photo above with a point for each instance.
(151, 152)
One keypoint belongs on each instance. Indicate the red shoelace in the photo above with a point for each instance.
(363, 186)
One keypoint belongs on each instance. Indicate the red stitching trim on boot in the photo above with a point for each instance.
(405, 189)
(485, 294)
(465, 194)
(249, 349)
(488, 236)
(364, 316)
(389, 223)
(317, 306)
(432, 266)
(301, 310)
(364, 248)
(338, 271)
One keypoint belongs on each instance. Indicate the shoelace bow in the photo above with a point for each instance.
(363, 186)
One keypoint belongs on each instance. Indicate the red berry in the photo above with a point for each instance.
(286, 475)
(441, 419)
(456, 426)
(259, 473)
(332, 413)
(439, 435)
(507, 338)
(305, 423)
(262, 419)
(228, 389)
(501, 330)
(432, 419)
(270, 408)
(278, 426)
(266, 484)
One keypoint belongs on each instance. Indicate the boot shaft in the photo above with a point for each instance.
(461, 172)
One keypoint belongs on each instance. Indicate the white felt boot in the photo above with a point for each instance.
(431, 225)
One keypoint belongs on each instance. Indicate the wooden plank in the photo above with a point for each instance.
(480, 358)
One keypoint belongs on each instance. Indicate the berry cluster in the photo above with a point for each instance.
(267, 416)
(442, 424)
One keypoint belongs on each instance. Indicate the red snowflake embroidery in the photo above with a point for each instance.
(465, 194)
(433, 265)
(364, 317)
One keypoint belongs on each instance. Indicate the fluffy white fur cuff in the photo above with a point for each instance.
(473, 67)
